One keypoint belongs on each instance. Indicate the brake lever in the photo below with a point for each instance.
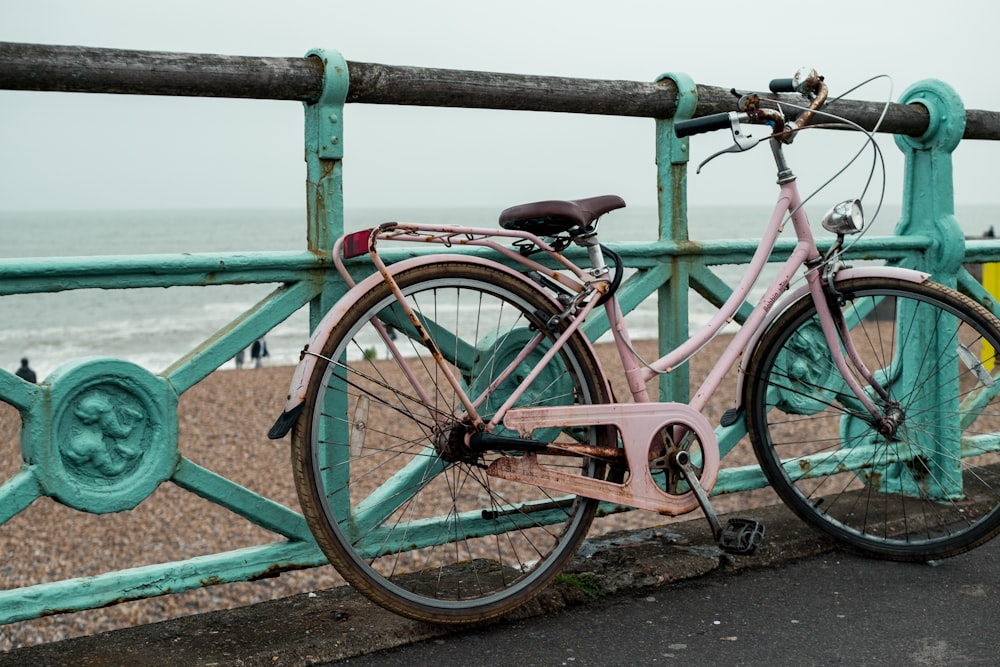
(742, 142)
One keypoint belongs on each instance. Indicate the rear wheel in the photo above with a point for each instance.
(396, 499)
(923, 484)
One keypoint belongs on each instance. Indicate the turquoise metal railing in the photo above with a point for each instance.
(928, 237)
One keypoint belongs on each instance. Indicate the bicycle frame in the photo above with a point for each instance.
(639, 422)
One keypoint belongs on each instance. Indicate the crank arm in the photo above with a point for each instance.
(683, 462)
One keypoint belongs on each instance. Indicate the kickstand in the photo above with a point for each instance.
(739, 536)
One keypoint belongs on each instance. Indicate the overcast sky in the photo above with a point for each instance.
(72, 151)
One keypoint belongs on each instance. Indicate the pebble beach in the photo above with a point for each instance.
(223, 423)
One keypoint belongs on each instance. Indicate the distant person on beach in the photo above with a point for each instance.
(258, 351)
(391, 330)
(239, 358)
(25, 372)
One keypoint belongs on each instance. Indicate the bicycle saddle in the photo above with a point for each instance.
(548, 218)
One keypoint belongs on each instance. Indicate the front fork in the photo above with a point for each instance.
(828, 301)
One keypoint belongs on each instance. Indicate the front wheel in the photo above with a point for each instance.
(928, 485)
(398, 502)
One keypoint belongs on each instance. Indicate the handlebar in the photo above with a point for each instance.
(716, 121)
(806, 82)
(782, 85)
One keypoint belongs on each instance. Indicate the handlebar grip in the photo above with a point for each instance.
(716, 121)
(782, 85)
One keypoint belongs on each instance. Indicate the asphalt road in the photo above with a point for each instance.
(834, 609)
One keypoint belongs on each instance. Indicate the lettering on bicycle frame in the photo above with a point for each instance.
(768, 303)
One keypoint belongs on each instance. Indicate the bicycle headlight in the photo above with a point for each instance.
(845, 218)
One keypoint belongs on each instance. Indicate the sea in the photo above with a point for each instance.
(153, 327)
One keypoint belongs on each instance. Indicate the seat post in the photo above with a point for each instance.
(589, 241)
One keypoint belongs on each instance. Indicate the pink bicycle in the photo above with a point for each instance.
(454, 433)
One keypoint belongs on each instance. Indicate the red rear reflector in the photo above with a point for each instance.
(356, 244)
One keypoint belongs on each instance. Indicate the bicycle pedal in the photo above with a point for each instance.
(741, 536)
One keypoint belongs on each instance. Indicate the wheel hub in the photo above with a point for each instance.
(450, 443)
(891, 420)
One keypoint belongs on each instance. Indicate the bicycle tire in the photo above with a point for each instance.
(929, 490)
(428, 538)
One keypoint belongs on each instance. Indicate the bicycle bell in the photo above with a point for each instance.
(845, 218)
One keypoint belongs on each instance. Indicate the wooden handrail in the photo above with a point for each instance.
(42, 67)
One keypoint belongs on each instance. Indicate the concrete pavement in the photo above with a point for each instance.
(653, 582)
(831, 609)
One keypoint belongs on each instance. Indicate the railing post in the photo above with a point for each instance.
(929, 211)
(672, 156)
(324, 151)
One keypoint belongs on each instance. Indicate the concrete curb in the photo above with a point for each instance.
(322, 627)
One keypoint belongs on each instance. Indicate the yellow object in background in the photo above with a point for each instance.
(991, 281)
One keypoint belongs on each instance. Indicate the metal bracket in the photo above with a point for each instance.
(928, 186)
(687, 101)
(324, 118)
